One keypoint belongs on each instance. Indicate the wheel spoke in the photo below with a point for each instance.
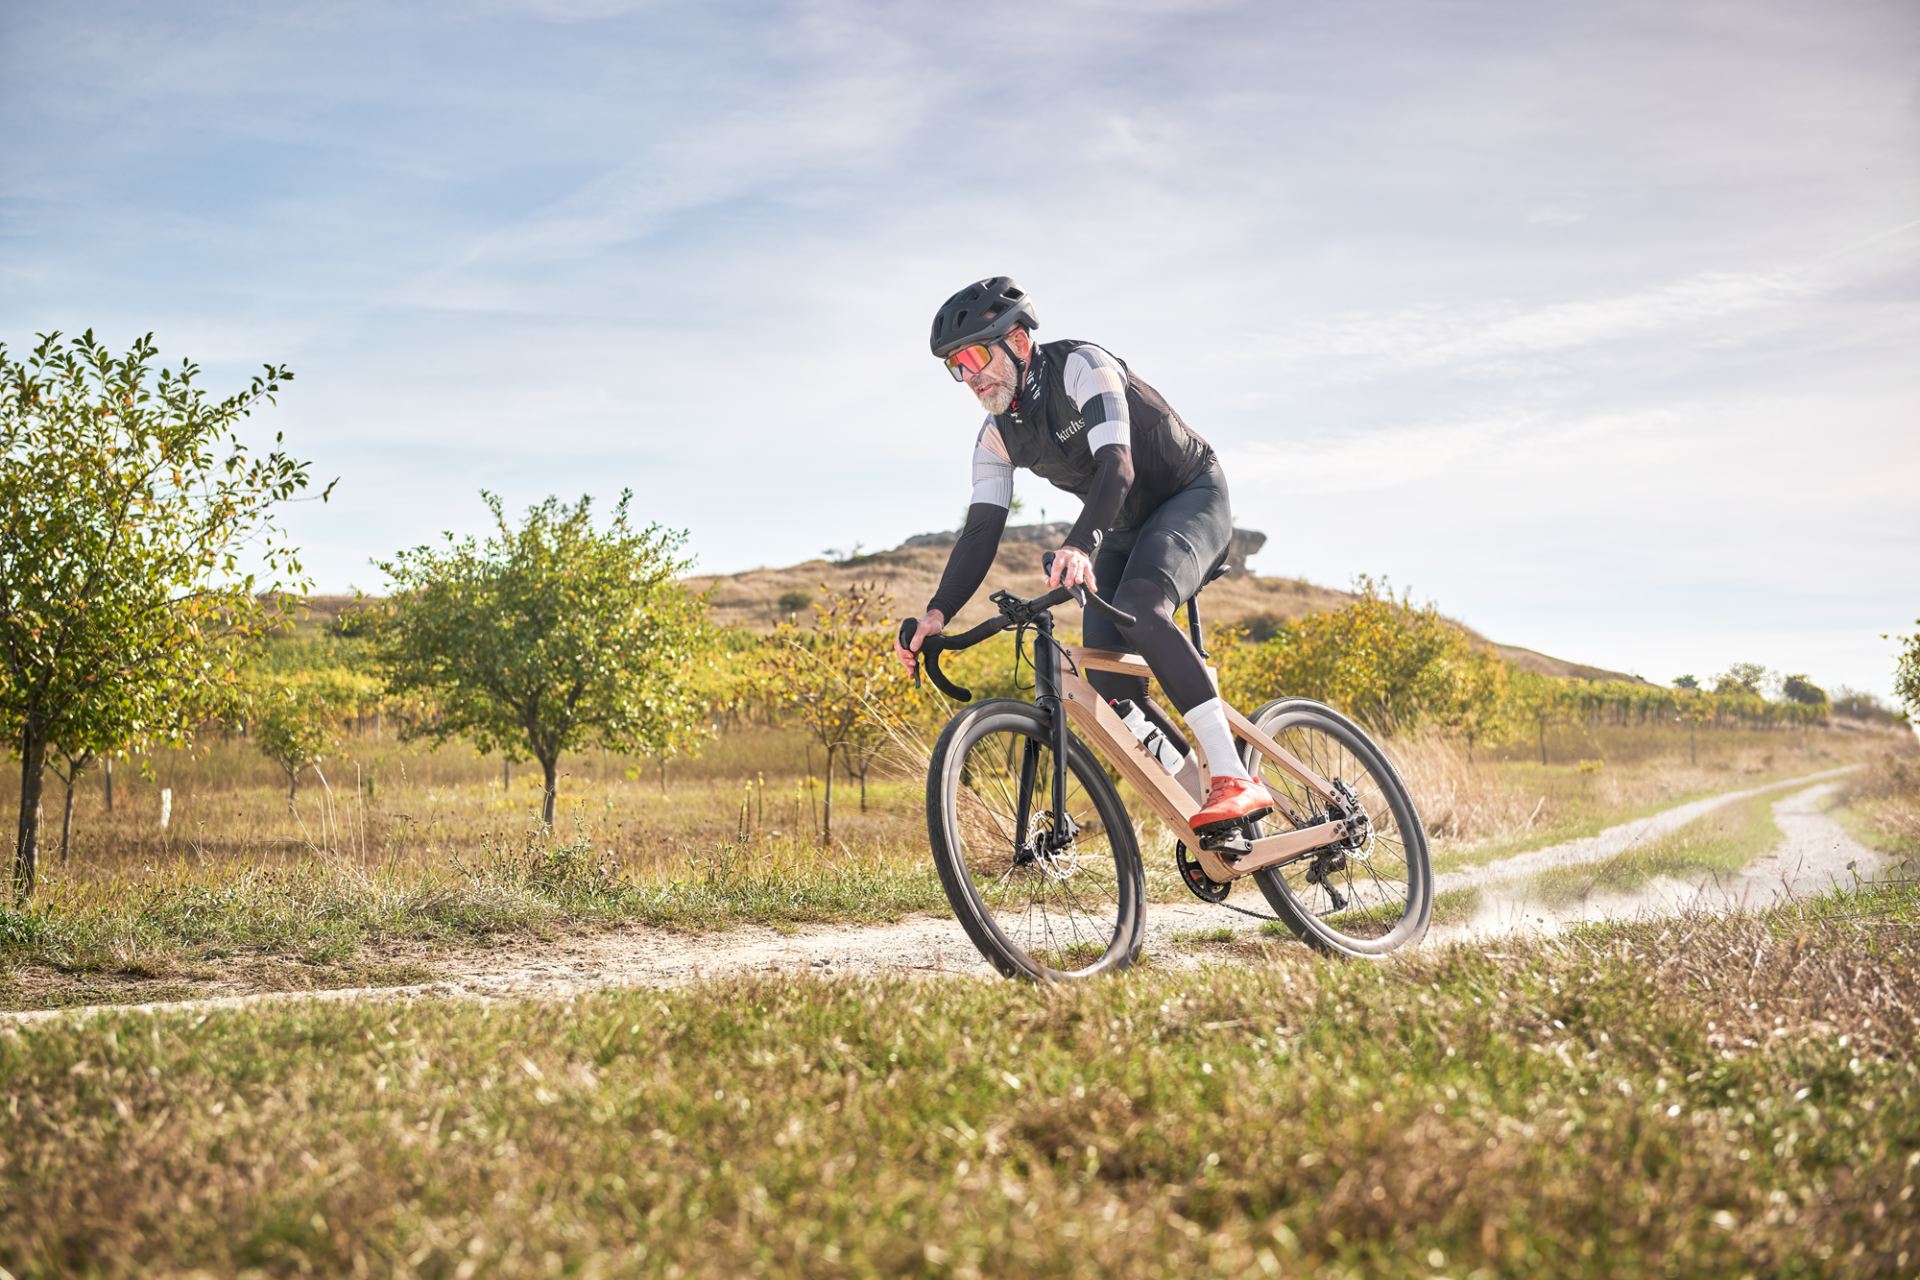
(1367, 894)
(1065, 903)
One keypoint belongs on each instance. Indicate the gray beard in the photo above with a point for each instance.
(999, 401)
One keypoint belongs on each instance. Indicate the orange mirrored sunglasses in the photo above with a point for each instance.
(969, 360)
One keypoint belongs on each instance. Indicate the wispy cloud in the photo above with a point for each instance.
(1469, 295)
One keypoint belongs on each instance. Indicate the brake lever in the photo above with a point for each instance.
(1079, 593)
(907, 628)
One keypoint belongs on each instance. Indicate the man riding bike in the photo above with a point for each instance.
(1153, 524)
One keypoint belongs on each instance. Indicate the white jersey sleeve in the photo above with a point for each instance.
(992, 468)
(1097, 384)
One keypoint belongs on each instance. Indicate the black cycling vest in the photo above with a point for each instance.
(1045, 433)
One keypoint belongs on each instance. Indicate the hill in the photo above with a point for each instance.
(910, 572)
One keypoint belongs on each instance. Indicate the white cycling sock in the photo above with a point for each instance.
(1209, 724)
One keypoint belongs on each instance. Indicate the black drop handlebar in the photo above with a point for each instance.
(1012, 610)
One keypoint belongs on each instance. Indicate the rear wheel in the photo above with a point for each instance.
(1373, 892)
(1040, 902)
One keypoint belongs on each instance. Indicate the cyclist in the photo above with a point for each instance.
(1153, 524)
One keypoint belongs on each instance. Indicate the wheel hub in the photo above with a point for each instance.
(1050, 852)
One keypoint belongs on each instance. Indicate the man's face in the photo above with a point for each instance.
(998, 382)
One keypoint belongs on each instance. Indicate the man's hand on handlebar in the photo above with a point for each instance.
(1071, 568)
(932, 623)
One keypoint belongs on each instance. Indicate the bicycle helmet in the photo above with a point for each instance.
(963, 319)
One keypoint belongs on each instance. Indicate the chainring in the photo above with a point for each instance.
(1195, 877)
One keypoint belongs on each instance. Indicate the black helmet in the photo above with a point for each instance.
(981, 312)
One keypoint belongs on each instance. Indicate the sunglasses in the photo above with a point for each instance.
(969, 360)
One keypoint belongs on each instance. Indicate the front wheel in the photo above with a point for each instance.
(1042, 898)
(1373, 892)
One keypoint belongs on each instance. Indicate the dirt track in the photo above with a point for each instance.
(1814, 854)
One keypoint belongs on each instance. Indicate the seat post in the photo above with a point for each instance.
(1193, 625)
(1218, 570)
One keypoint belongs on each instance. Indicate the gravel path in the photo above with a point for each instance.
(1815, 853)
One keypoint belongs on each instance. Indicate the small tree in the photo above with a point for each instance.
(839, 676)
(1686, 682)
(125, 504)
(292, 721)
(548, 637)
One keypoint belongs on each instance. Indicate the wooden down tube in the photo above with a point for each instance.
(1103, 729)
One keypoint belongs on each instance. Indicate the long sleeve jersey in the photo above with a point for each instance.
(1089, 426)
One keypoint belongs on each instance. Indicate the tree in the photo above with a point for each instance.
(1798, 688)
(1741, 677)
(1860, 705)
(292, 719)
(548, 637)
(1906, 673)
(1686, 682)
(126, 501)
(839, 677)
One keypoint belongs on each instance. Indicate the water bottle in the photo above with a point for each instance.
(1163, 751)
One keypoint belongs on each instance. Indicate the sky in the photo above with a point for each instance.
(1596, 325)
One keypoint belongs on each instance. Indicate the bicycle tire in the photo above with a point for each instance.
(1335, 911)
(1038, 915)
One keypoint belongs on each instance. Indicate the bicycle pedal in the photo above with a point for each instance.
(1228, 825)
(1234, 837)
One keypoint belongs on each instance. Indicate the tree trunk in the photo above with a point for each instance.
(552, 770)
(293, 782)
(863, 791)
(1543, 739)
(813, 805)
(107, 768)
(1693, 746)
(26, 845)
(506, 774)
(663, 775)
(826, 821)
(66, 818)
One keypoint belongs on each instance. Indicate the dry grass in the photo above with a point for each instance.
(1715, 844)
(1881, 805)
(1491, 807)
(416, 846)
(1701, 1096)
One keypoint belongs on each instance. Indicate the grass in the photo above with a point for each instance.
(424, 851)
(1701, 1096)
(1716, 843)
(1575, 801)
(1456, 906)
(332, 917)
(1881, 807)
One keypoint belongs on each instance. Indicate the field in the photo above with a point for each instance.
(410, 855)
(1704, 1094)
(1701, 1096)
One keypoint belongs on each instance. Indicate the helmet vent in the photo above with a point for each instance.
(983, 311)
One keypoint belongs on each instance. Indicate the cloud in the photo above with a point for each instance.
(1481, 296)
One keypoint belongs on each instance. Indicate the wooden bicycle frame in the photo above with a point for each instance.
(1100, 726)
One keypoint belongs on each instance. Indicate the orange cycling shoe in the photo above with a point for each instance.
(1232, 800)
